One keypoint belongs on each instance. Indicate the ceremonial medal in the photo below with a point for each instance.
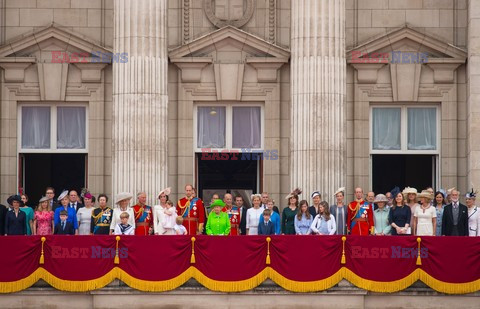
(194, 208)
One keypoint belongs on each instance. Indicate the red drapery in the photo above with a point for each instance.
(233, 264)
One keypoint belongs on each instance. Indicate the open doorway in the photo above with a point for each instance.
(228, 173)
(388, 171)
(60, 171)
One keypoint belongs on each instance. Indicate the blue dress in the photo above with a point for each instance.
(439, 220)
(72, 216)
(303, 225)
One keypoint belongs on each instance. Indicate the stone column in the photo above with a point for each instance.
(139, 137)
(473, 95)
(318, 125)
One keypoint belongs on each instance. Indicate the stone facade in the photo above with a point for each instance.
(273, 52)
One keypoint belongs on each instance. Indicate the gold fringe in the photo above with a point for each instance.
(242, 285)
(343, 260)
(156, 286)
(42, 258)
(380, 286)
(449, 288)
(304, 286)
(267, 261)
(419, 259)
(231, 286)
(192, 258)
(116, 260)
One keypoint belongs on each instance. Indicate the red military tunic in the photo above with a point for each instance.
(143, 219)
(193, 214)
(360, 218)
(234, 215)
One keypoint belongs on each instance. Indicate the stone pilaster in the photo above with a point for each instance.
(139, 138)
(473, 95)
(318, 127)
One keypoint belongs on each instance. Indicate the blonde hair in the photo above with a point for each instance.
(179, 220)
(124, 215)
(39, 206)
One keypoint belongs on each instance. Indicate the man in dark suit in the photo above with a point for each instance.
(243, 214)
(266, 227)
(50, 194)
(64, 227)
(455, 217)
(73, 196)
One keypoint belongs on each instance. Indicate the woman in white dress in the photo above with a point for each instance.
(425, 216)
(84, 215)
(159, 212)
(122, 205)
(473, 214)
(253, 215)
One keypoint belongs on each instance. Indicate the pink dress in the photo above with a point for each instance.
(44, 222)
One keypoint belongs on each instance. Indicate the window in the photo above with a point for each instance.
(56, 128)
(404, 129)
(229, 127)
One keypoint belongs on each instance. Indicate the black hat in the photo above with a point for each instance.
(13, 198)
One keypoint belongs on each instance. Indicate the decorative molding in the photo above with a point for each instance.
(229, 80)
(238, 23)
(367, 73)
(444, 73)
(245, 39)
(405, 81)
(52, 31)
(50, 90)
(191, 68)
(15, 71)
(386, 42)
(272, 21)
(186, 21)
(91, 72)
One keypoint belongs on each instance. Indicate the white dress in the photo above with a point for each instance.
(116, 217)
(424, 221)
(169, 220)
(158, 215)
(84, 217)
(253, 218)
(474, 221)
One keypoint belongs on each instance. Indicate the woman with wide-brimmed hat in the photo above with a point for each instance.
(425, 216)
(43, 218)
(122, 201)
(381, 214)
(289, 213)
(15, 221)
(410, 197)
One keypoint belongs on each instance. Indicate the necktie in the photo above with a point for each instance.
(63, 225)
(455, 205)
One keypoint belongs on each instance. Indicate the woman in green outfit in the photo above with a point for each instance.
(289, 213)
(218, 222)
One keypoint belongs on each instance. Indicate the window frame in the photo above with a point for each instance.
(53, 128)
(228, 125)
(404, 129)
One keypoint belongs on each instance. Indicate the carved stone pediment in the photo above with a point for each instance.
(228, 51)
(52, 50)
(406, 51)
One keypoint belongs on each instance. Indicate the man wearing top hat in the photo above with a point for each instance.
(192, 210)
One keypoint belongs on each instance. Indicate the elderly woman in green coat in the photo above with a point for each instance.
(218, 222)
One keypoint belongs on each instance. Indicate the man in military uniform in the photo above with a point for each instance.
(233, 214)
(192, 210)
(360, 216)
(143, 216)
